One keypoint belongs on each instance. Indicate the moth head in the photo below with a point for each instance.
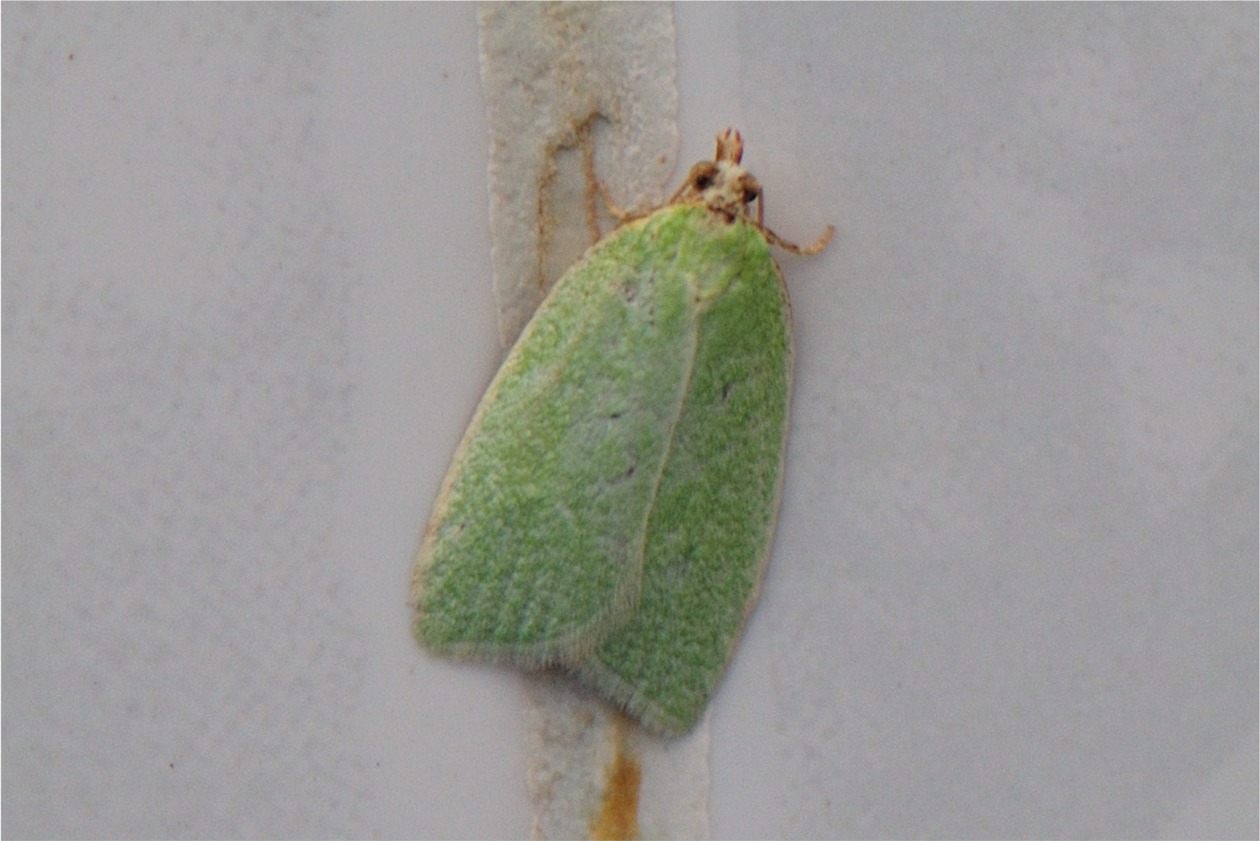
(722, 185)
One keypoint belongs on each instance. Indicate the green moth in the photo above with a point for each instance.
(611, 505)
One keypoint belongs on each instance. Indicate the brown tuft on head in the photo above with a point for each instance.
(730, 147)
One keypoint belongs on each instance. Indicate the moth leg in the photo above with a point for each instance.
(617, 212)
(775, 239)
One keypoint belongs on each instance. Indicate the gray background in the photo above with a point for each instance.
(247, 313)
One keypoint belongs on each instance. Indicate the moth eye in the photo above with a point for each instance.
(703, 176)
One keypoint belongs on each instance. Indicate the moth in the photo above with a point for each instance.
(611, 506)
